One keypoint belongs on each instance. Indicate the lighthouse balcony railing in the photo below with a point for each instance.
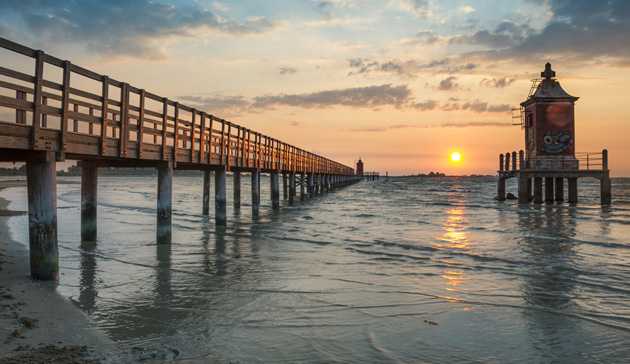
(593, 161)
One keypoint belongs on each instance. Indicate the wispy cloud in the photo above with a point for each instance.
(500, 82)
(407, 69)
(287, 70)
(371, 96)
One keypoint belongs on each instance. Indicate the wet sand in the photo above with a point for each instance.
(36, 323)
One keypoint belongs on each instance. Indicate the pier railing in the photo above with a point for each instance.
(587, 161)
(78, 113)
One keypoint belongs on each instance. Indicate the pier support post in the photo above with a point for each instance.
(291, 187)
(530, 195)
(315, 184)
(220, 200)
(523, 184)
(89, 184)
(549, 189)
(573, 194)
(538, 198)
(605, 190)
(501, 189)
(311, 185)
(236, 179)
(255, 182)
(284, 186)
(559, 189)
(207, 177)
(42, 218)
(302, 182)
(275, 190)
(164, 203)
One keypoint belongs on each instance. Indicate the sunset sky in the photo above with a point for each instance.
(399, 83)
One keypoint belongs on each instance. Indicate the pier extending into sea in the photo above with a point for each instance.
(65, 112)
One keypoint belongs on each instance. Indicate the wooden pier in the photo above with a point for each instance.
(63, 111)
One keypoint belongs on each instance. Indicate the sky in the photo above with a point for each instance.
(399, 83)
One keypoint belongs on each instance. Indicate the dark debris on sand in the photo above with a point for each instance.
(52, 355)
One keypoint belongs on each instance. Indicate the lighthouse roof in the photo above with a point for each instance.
(549, 87)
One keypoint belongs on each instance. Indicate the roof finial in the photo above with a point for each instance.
(548, 73)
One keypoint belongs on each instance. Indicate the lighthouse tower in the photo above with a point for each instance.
(549, 125)
(359, 167)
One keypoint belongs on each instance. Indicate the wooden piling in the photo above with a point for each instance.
(311, 185)
(302, 187)
(573, 193)
(538, 182)
(164, 203)
(549, 189)
(89, 185)
(559, 184)
(275, 190)
(501, 189)
(605, 190)
(524, 187)
(236, 181)
(255, 184)
(42, 218)
(220, 200)
(284, 186)
(291, 187)
(207, 177)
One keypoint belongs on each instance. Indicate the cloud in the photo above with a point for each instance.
(217, 104)
(418, 8)
(287, 70)
(371, 96)
(407, 69)
(130, 28)
(579, 32)
(448, 84)
(480, 106)
(426, 105)
(497, 82)
(465, 125)
(506, 34)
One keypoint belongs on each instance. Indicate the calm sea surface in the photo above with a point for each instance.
(353, 275)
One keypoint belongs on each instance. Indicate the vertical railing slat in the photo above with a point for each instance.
(104, 106)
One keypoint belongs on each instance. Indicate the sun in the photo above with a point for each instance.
(456, 157)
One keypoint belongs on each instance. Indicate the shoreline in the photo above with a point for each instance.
(37, 324)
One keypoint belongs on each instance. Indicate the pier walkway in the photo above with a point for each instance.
(65, 112)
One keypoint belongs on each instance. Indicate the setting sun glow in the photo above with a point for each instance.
(456, 157)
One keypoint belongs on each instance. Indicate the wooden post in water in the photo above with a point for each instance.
(220, 200)
(501, 189)
(236, 179)
(255, 183)
(275, 189)
(42, 217)
(291, 187)
(207, 177)
(311, 185)
(523, 191)
(89, 184)
(284, 185)
(549, 189)
(164, 203)
(605, 185)
(538, 190)
(559, 184)
(573, 194)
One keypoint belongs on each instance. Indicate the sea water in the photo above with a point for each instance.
(409, 270)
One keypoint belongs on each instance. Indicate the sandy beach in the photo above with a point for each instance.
(38, 325)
